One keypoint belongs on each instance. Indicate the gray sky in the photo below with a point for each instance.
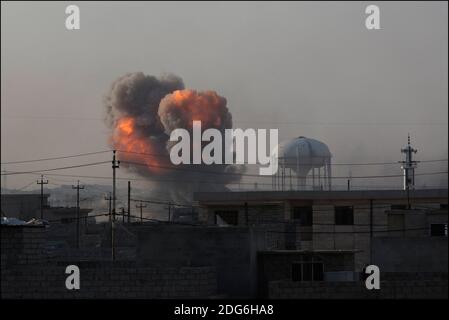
(309, 69)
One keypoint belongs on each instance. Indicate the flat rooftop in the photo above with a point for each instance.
(267, 196)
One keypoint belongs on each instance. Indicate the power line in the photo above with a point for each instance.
(267, 231)
(71, 219)
(302, 164)
(55, 169)
(201, 171)
(177, 181)
(56, 158)
(32, 182)
(346, 232)
(166, 155)
(166, 202)
(268, 176)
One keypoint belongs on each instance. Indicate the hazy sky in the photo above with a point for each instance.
(309, 69)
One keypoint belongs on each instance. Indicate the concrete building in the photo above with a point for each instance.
(28, 205)
(28, 273)
(232, 252)
(332, 235)
(23, 206)
(301, 244)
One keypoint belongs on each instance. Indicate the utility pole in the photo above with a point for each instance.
(129, 201)
(78, 187)
(349, 180)
(109, 198)
(41, 182)
(140, 207)
(169, 211)
(4, 179)
(115, 165)
(371, 231)
(123, 214)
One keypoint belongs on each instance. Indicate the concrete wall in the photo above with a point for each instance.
(411, 254)
(22, 206)
(254, 214)
(400, 289)
(324, 234)
(277, 265)
(28, 272)
(102, 281)
(22, 245)
(232, 250)
(91, 254)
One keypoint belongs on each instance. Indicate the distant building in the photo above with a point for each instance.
(27, 206)
(23, 206)
(185, 215)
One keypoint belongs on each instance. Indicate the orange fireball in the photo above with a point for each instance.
(133, 148)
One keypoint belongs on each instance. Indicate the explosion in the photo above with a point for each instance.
(179, 109)
(142, 111)
(134, 148)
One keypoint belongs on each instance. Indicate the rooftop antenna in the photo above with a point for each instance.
(408, 167)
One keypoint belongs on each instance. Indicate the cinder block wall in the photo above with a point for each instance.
(411, 254)
(232, 250)
(415, 288)
(26, 272)
(22, 245)
(109, 282)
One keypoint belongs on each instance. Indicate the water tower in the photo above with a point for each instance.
(303, 164)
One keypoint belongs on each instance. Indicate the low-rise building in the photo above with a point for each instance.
(27, 206)
(332, 235)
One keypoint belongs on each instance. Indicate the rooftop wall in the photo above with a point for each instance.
(411, 254)
(22, 245)
(232, 250)
(105, 281)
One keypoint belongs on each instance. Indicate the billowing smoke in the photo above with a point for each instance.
(180, 108)
(143, 110)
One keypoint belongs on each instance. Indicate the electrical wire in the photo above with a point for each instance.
(54, 169)
(269, 176)
(166, 155)
(56, 158)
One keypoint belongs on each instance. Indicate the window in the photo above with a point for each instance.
(230, 217)
(398, 207)
(344, 215)
(304, 215)
(438, 230)
(307, 271)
